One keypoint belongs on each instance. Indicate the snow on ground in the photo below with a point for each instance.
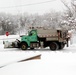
(61, 62)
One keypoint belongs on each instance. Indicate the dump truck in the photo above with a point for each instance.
(55, 39)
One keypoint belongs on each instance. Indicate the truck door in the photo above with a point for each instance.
(33, 36)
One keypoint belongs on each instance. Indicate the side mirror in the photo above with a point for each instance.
(30, 34)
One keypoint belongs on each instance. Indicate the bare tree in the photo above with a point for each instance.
(70, 17)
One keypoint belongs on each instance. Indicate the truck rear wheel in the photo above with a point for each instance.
(23, 46)
(62, 45)
(54, 46)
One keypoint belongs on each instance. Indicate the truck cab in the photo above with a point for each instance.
(29, 40)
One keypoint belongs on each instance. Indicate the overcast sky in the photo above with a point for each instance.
(7, 6)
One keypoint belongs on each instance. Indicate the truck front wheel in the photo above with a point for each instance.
(53, 46)
(23, 46)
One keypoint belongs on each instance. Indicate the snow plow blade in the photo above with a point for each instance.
(14, 44)
(7, 44)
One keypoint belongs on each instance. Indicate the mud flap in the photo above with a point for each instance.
(67, 42)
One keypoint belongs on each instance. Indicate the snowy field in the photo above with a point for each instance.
(61, 62)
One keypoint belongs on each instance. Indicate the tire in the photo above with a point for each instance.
(62, 45)
(23, 46)
(54, 46)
